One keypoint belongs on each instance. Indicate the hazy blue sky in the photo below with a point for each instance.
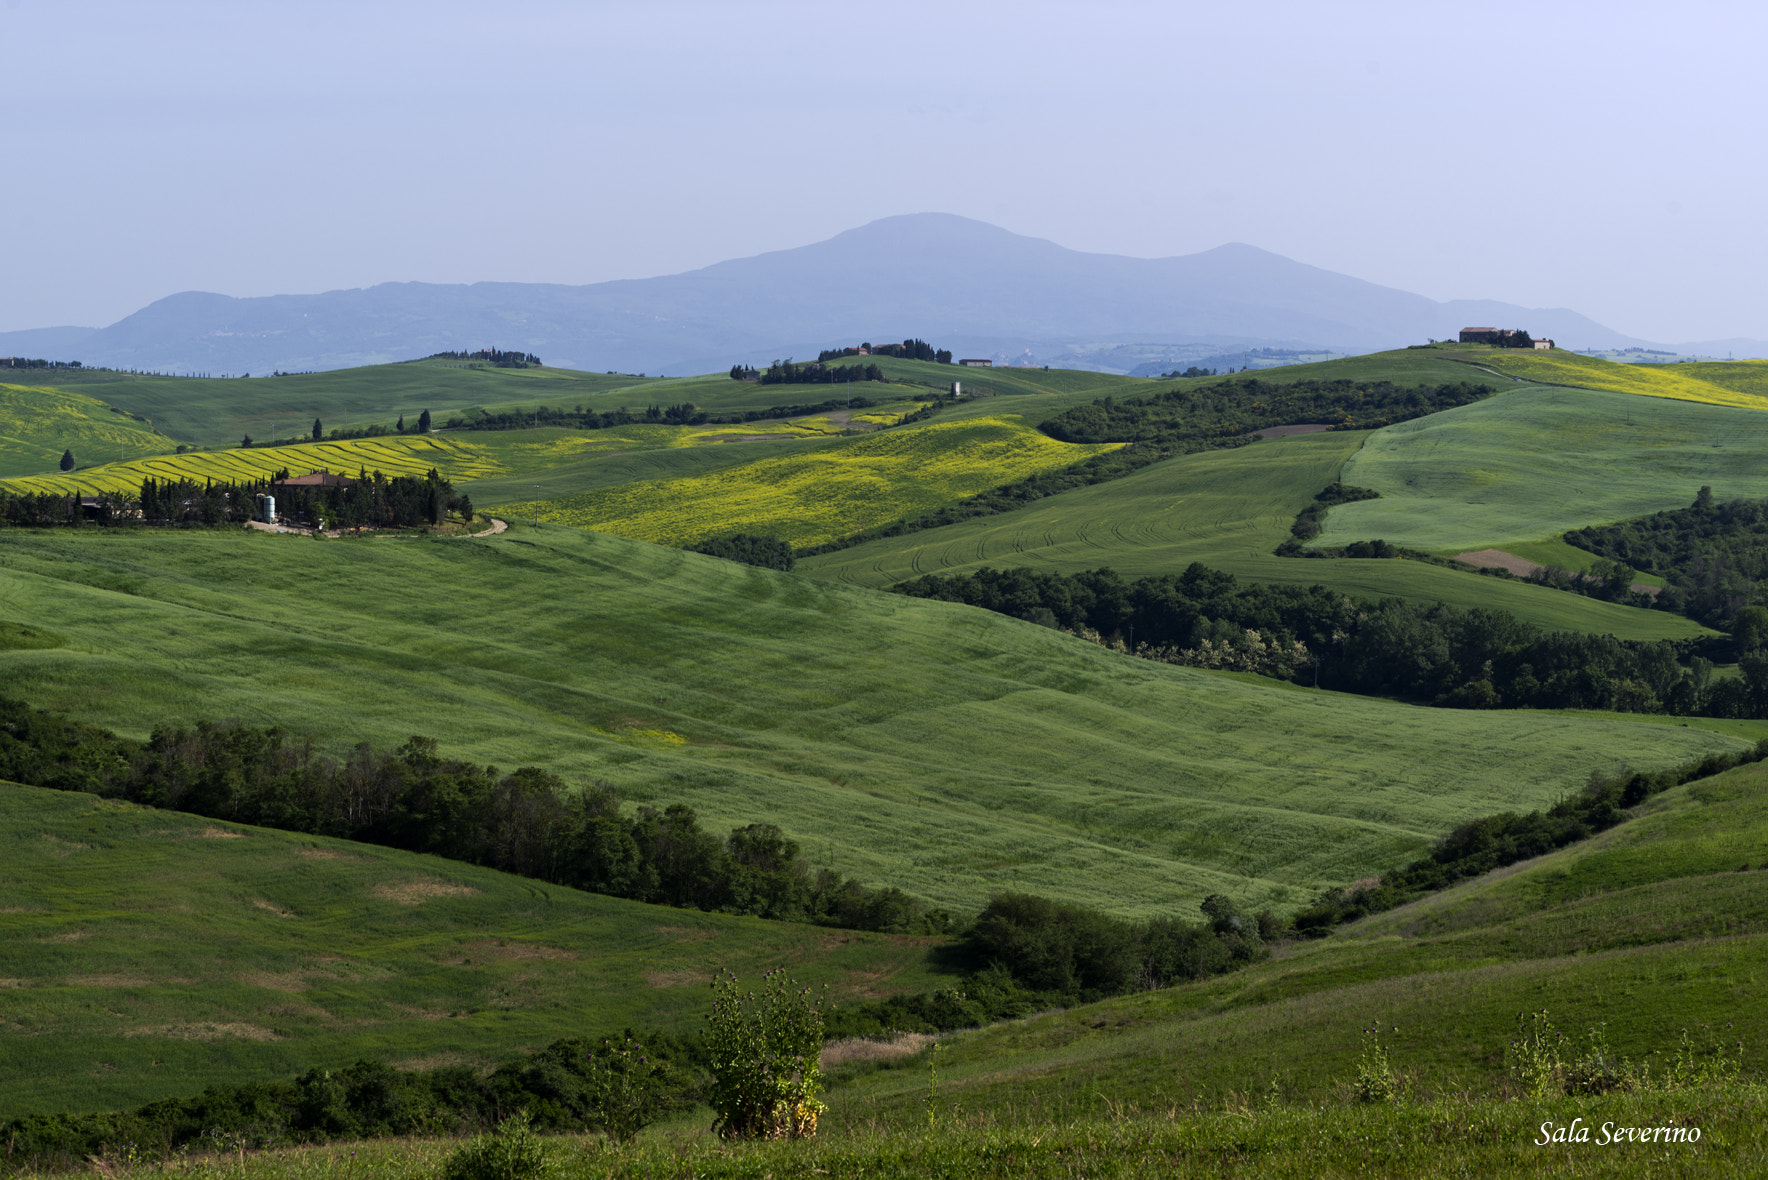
(1607, 157)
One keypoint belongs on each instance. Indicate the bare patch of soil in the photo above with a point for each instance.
(1522, 567)
(9, 983)
(418, 891)
(272, 907)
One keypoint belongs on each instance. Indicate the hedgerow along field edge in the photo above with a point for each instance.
(945, 750)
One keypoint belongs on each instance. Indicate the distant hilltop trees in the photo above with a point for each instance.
(491, 356)
(1503, 338)
(908, 350)
(811, 373)
(19, 362)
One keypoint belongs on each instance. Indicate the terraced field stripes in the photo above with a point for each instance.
(395, 455)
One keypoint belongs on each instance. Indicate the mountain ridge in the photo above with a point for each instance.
(966, 284)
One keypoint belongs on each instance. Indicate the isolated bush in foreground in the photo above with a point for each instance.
(764, 1050)
(512, 1152)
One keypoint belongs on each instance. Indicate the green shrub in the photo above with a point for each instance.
(764, 1050)
(512, 1152)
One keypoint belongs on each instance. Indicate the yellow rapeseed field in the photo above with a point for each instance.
(394, 455)
(813, 497)
(1736, 383)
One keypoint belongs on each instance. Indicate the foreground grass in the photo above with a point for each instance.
(1453, 1137)
(1529, 464)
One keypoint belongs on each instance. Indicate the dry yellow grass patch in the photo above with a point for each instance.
(326, 854)
(110, 980)
(419, 890)
(860, 1049)
(677, 978)
(286, 981)
(206, 1030)
(499, 949)
(214, 833)
(6, 983)
(685, 933)
(272, 907)
(65, 936)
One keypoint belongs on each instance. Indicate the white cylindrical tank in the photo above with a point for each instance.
(269, 509)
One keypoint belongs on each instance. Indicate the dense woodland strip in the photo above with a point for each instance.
(371, 501)
(1435, 654)
(526, 822)
(1713, 558)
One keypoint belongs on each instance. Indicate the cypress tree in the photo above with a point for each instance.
(67, 460)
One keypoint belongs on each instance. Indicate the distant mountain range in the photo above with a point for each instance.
(958, 283)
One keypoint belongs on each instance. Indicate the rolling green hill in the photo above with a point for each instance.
(37, 424)
(812, 497)
(942, 749)
(1529, 464)
(150, 953)
(1228, 510)
(1654, 927)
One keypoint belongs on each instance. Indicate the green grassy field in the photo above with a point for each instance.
(1531, 463)
(1229, 510)
(1655, 927)
(218, 412)
(815, 496)
(150, 953)
(1654, 931)
(38, 424)
(943, 749)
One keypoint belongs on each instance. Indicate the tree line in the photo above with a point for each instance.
(21, 362)
(374, 501)
(492, 356)
(911, 350)
(1713, 557)
(766, 552)
(813, 373)
(525, 822)
(686, 414)
(1432, 654)
(1197, 417)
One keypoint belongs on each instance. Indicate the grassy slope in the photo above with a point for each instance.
(214, 412)
(1227, 509)
(38, 424)
(1652, 927)
(1741, 384)
(944, 749)
(815, 496)
(147, 954)
(1530, 463)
